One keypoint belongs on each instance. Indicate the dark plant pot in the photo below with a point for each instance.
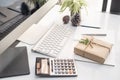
(24, 9)
(76, 19)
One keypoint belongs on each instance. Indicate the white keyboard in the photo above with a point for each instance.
(53, 41)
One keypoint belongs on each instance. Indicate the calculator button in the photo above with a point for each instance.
(64, 67)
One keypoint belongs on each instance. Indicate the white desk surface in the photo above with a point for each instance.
(86, 71)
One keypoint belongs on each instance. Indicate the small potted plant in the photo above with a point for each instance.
(75, 9)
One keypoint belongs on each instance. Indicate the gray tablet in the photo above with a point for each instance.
(14, 62)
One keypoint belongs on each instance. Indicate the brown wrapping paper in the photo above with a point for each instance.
(96, 50)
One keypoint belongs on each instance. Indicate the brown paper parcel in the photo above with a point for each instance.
(96, 50)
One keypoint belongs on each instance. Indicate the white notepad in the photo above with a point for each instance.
(33, 34)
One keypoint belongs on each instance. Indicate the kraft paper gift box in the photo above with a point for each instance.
(96, 50)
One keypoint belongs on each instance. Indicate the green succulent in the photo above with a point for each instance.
(73, 5)
(84, 41)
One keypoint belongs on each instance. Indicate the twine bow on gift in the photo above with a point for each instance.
(90, 42)
(86, 42)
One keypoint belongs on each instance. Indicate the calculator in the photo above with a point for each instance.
(55, 67)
